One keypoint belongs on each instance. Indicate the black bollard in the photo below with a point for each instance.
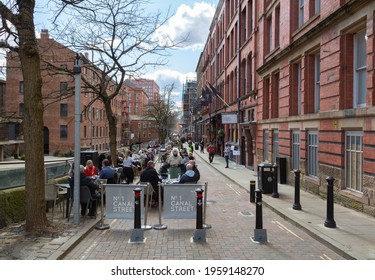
(199, 223)
(137, 233)
(252, 191)
(258, 209)
(296, 204)
(200, 232)
(330, 222)
(275, 193)
(137, 208)
(260, 234)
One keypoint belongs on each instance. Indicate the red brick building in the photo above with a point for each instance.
(138, 95)
(58, 93)
(299, 75)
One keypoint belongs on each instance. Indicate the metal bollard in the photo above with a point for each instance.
(199, 223)
(260, 234)
(330, 222)
(137, 208)
(258, 210)
(275, 193)
(137, 233)
(296, 204)
(252, 191)
(200, 232)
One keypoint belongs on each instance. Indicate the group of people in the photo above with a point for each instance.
(179, 164)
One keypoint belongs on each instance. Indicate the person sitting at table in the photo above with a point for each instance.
(149, 174)
(90, 169)
(189, 176)
(107, 172)
(195, 169)
(85, 180)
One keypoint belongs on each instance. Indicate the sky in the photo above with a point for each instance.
(191, 17)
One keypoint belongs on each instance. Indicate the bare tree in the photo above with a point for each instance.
(18, 32)
(120, 36)
(164, 112)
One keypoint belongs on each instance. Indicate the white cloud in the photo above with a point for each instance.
(189, 22)
(166, 77)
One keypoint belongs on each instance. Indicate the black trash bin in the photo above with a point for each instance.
(281, 163)
(196, 145)
(267, 177)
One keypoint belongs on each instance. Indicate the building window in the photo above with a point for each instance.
(275, 95)
(312, 160)
(129, 96)
(265, 142)
(136, 108)
(266, 97)
(63, 131)
(299, 89)
(295, 150)
(250, 16)
(22, 87)
(300, 12)
(317, 83)
(317, 6)
(275, 145)
(63, 110)
(84, 132)
(130, 108)
(360, 74)
(269, 34)
(354, 160)
(63, 88)
(21, 108)
(277, 27)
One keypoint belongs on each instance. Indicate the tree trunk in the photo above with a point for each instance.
(36, 220)
(112, 124)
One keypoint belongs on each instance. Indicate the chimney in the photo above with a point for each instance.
(44, 34)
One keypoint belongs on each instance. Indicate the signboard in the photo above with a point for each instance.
(236, 152)
(119, 200)
(180, 201)
(227, 118)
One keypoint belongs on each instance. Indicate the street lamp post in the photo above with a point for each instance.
(77, 126)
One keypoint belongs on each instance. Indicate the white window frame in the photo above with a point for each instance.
(354, 160)
(296, 136)
(359, 70)
(312, 153)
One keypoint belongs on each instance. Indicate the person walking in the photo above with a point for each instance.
(226, 154)
(201, 145)
(211, 152)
